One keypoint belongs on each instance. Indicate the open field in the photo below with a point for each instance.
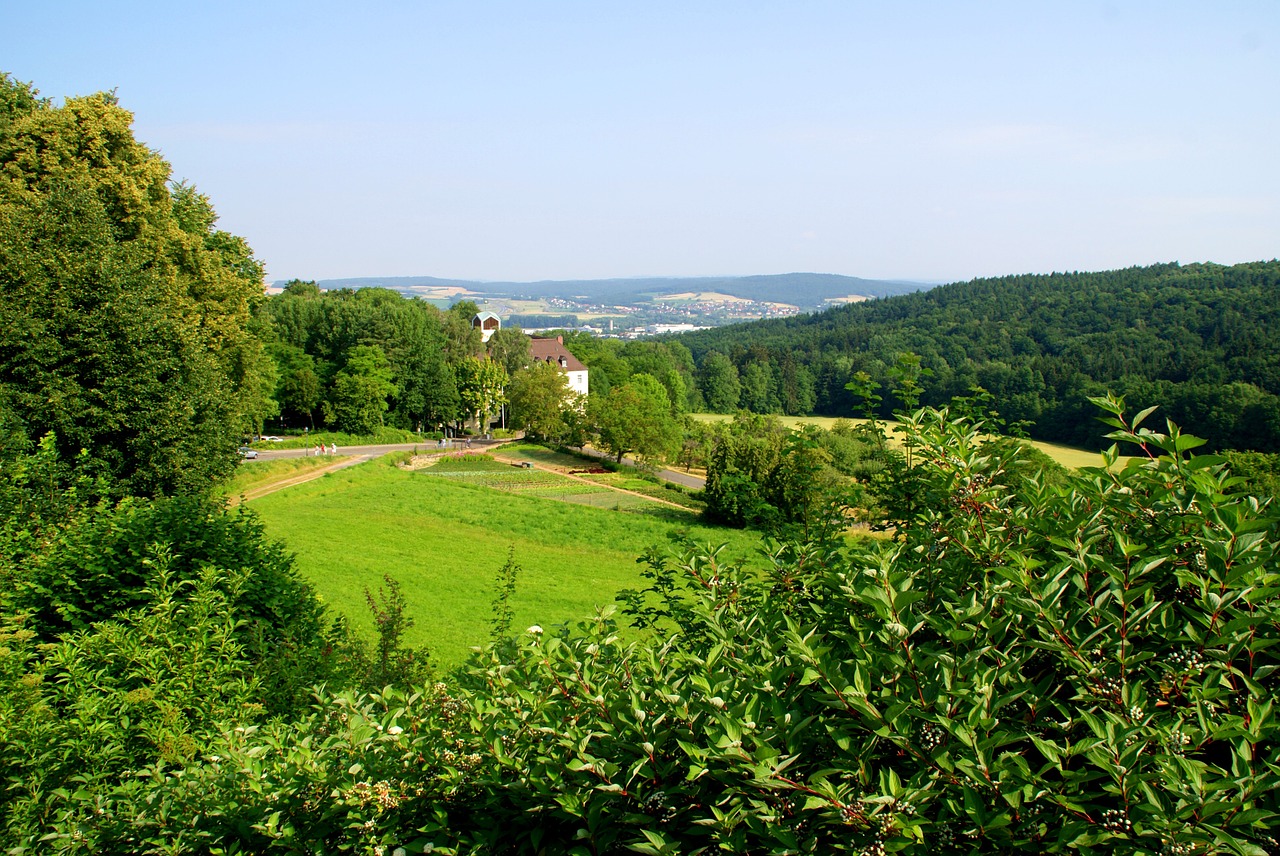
(252, 476)
(1068, 456)
(444, 541)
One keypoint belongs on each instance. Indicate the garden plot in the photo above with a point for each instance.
(484, 471)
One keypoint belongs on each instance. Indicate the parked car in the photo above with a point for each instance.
(246, 452)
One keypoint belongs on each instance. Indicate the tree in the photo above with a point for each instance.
(509, 347)
(636, 417)
(298, 388)
(539, 396)
(125, 315)
(462, 340)
(481, 382)
(429, 397)
(718, 379)
(357, 402)
(740, 464)
(757, 393)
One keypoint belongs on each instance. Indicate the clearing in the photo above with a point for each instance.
(444, 539)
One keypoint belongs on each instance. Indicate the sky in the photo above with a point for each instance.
(524, 140)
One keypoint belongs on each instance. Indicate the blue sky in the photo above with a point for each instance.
(551, 140)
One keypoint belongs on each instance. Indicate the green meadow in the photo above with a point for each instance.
(445, 539)
(254, 475)
(1068, 456)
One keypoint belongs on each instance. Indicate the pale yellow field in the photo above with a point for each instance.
(1068, 456)
(538, 307)
(703, 296)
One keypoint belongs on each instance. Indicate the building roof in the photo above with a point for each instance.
(552, 351)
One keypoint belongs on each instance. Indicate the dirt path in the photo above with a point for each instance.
(563, 474)
(301, 478)
(342, 463)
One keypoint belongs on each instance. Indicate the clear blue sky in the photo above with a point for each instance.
(549, 140)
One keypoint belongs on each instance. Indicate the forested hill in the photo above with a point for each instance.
(1202, 341)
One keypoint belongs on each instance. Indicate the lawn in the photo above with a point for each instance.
(444, 539)
(251, 475)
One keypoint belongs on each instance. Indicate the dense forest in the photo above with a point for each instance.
(1199, 340)
(1082, 662)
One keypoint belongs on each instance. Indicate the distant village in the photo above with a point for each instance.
(680, 313)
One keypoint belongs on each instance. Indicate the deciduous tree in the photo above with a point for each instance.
(357, 402)
(481, 382)
(636, 418)
(539, 396)
(125, 314)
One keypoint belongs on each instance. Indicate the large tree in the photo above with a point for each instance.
(481, 382)
(719, 381)
(358, 401)
(510, 347)
(539, 396)
(636, 417)
(125, 315)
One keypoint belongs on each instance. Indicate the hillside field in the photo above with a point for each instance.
(445, 541)
(1068, 456)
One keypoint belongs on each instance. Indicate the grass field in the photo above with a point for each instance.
(1068, 456)
(251, 475)
(444, 540)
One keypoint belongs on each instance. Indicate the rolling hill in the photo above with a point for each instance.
(1200, 340)
(808, 291)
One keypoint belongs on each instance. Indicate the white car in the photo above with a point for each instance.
(247, 453)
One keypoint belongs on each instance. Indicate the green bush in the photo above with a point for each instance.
(1083, 666)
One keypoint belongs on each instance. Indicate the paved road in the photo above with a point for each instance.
(674, 476)
(377, 451)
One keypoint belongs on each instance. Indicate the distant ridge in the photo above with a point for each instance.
(806, 290)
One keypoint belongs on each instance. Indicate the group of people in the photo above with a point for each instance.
(321, 449)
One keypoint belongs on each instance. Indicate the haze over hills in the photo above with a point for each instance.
(807, 291)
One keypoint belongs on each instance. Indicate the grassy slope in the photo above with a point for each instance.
(255, 474)
(445, 542)
(1068, 456)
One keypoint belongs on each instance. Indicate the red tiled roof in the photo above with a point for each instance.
(551, 350)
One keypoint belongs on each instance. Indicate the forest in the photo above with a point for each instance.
(1196, 339)
(1074, 662)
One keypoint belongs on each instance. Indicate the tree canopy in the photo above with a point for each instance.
(1192, 338)
(635, 417)
(125, 315)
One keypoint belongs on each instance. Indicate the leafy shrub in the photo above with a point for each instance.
(1082, 667)
(152, 684)
(101, 564)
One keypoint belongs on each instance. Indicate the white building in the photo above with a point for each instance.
(487, 323)
(553, 351)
